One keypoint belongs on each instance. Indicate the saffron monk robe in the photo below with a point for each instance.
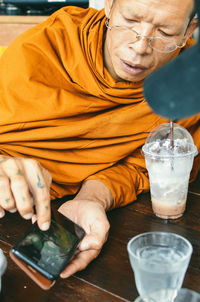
(73, 117)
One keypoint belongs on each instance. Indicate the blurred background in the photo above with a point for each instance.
(42, 7)
(37, 7)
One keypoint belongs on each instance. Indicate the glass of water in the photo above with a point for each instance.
(187, 295)
(159, 261)
(3, 265)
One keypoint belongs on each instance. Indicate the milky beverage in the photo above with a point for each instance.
(169, 186)
(169, 165)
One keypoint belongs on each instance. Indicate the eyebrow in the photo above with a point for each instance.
(168, 26)
(137, 16)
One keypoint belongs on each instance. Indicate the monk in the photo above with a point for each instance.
(73, 116)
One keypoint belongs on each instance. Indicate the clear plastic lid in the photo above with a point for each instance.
(164, 141)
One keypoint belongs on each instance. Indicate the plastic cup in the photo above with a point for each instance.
(3, 265)
(159, 261)
(169, 169)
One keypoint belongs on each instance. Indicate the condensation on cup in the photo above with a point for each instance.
(3, 265)
(169, 165)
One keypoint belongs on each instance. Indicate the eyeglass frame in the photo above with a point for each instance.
(149, 39)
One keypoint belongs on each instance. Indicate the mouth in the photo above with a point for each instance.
(134, 69)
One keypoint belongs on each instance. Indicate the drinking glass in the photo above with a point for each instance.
(187, 295)
(3, 265)
(159, 261)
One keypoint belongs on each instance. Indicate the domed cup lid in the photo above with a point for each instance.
(162, 143)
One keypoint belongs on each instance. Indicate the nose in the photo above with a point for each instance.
(141, 46)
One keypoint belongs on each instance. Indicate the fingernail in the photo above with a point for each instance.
(34, 219)
(28, 216)
(13, 210)
(85, 246)
(45, 226)
(63, 276)
(2, 214)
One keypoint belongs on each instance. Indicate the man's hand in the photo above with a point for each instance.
(24, 183)
(92, 217)
(88, 210)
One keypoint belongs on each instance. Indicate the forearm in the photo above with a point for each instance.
(125, 180)
(96, 191)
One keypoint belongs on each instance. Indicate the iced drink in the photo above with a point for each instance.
(159, 261)
(3, 265)
(169, 169)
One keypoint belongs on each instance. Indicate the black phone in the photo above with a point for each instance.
(47, 252)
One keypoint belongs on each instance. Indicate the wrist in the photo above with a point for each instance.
(96, 191)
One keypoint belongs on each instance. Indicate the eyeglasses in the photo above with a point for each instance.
(157, 43)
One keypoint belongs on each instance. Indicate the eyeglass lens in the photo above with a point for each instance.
(156, 43)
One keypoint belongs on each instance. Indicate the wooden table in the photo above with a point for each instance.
(109, 278)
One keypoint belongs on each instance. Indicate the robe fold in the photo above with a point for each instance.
(60, 106)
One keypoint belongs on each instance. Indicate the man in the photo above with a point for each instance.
(72, 109)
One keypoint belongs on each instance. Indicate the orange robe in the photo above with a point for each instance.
(59, 105)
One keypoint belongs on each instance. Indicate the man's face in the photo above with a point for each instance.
(130, 61)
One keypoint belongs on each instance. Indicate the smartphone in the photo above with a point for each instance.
(44, 254)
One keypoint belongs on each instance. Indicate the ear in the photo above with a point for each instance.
(108, 6)
(191, 28)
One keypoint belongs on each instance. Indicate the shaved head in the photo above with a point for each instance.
(192, 12)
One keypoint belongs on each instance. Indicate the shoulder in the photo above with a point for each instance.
(60, 36)
(69, 19)
(76, 15)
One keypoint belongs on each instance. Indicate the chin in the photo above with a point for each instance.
(131, 78)
(137, 77)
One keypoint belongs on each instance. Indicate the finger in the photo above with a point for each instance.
(39, 185)
(14, 210)
(79, 263)
(34, 218)
(7, 201)
(19, 187)
(47, 176)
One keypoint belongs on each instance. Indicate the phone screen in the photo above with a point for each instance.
(49, 251)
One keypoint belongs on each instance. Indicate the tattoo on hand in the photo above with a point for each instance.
(7, 200)
(19, 172)
(41, 186)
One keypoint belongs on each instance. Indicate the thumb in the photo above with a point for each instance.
(90, 242)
